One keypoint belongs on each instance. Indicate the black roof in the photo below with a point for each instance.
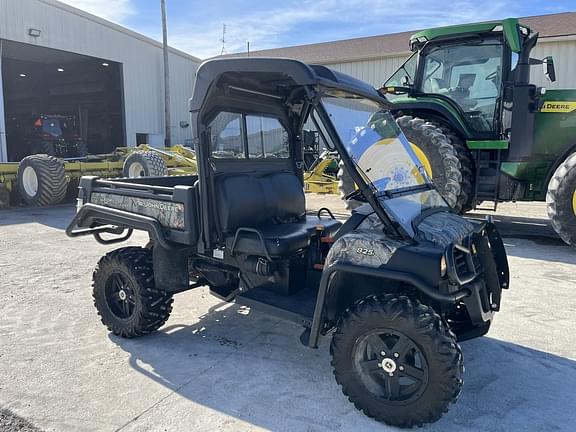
(270, 71)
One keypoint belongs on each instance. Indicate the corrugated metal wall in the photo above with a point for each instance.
(376, 71)
(66, 29)
(564, 54)
(373, 71)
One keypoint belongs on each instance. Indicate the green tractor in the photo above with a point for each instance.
(482, 131)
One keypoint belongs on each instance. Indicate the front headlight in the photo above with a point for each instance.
(443, 266)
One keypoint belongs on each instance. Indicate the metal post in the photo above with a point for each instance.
(167, 122)
(3, 147)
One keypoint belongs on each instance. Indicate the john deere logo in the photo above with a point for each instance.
(558, 107)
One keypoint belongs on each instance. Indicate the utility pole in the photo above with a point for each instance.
(167, 123)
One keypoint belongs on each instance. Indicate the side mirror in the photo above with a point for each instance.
(549, 71)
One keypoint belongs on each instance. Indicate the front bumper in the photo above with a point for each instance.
(479, 265)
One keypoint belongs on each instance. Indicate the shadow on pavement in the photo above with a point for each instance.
(253, 368)
(535, 229)
(58, 216)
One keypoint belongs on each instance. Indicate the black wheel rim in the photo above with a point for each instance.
(120, 296)
(391, 366)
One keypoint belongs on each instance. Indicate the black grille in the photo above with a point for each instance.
(461, 263)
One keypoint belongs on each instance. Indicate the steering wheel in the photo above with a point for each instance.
(491, 76)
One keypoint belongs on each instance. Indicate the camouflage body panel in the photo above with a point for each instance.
(169, 214)
(443, 228)
(367, 248)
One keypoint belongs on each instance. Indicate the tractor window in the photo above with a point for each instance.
(468, 73)
(267, 138)
(51, 127)
(226, 136)
(406, 72)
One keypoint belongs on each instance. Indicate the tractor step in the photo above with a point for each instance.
(487, 180)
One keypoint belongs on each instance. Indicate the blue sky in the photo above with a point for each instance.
(196, 26)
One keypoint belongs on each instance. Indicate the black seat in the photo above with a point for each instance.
(272, 205)
(282, 239)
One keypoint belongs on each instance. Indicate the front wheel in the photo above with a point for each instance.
(561, 200)
(125, 296)
(397, 361)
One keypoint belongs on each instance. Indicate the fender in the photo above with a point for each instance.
(91, 215)
(327, 275)
(441, 109)
(557, 163)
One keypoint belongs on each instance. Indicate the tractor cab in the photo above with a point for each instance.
(475, 73)
(487, 134)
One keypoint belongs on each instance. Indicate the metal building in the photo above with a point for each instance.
(373, 59)
(56, 59)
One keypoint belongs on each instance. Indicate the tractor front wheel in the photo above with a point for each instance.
(561, 200)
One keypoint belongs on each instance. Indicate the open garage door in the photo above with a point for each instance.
(57, 101)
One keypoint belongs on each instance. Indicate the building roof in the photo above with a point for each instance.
(554, 25)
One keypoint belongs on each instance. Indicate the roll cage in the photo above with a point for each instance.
(286, 89)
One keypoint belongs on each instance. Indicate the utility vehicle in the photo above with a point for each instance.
(397, 284)
(483, 131)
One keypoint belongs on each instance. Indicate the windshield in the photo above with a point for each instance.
(383, 156)
(470, 74)
(52, 126)
(405, 73)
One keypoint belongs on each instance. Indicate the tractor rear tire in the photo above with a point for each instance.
(450, 161)
(561, 200)
(346, 186)
(41, 180)
(466, 199)
(44, 147)
(128, 302)
(144, 164)
(442, 154)
(397, 361)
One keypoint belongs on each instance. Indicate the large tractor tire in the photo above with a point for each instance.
(41, 180)
(144, 164)
(128, 302)
(397, 361)
(44, 147)
(561, 200)
(444, 156)
(466, 200)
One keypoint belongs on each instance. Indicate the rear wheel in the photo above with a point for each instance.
(41, 180)
(125, 296)
(144, 164)
(444, 156)
(44, 147)
(448, 159)
(561, 200)
(397, 361)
